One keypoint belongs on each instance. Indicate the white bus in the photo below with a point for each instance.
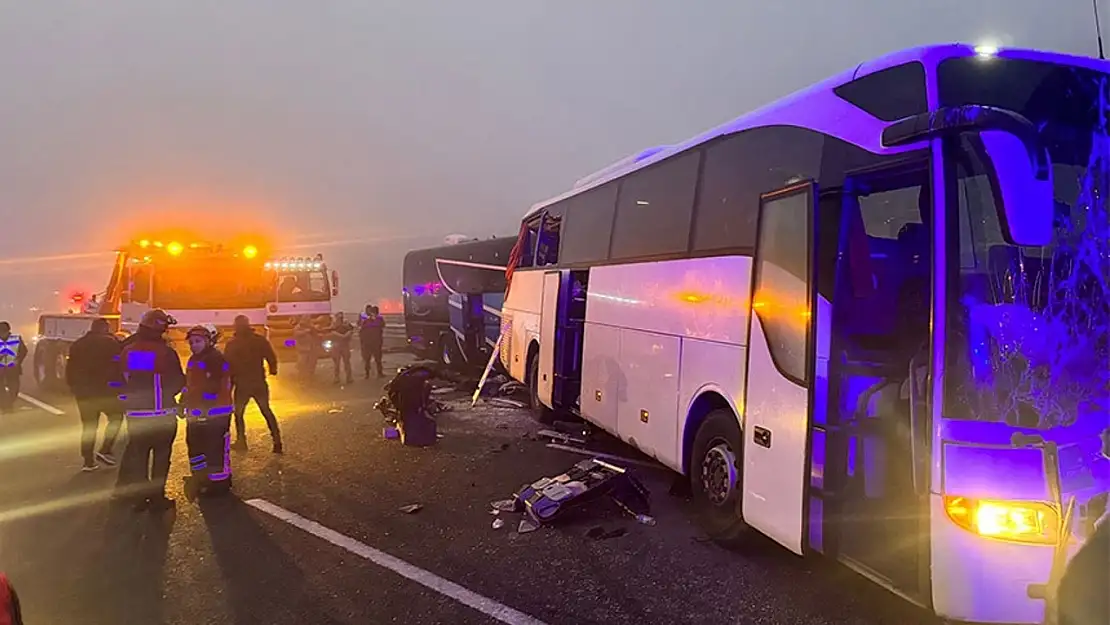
(869, 320)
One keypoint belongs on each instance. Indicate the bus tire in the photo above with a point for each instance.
(49, 362)
(449, 354)
(540, 412)
(715, 476)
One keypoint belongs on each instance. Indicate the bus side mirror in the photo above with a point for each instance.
(1024, 187)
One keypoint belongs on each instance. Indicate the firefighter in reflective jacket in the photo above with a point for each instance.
(152, 380)
(207, 405)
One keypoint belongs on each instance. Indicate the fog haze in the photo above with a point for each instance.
(365, 128)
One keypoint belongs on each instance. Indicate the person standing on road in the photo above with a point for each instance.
(152, 380)
(95, 377)
(12, 354)
(206, 400)
(304, 336)
(371, 333)
(249, 354)
(340, 335)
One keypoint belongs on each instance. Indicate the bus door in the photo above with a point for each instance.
(783, 362)
(875, 494)
(562, 324)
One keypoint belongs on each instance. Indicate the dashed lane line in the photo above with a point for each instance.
(485, 605)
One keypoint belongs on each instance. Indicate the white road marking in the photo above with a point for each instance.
(485, 605)
(41, 404)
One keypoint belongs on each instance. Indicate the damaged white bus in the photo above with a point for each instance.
(869, 320)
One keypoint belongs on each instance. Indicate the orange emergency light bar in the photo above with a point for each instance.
(176, 248)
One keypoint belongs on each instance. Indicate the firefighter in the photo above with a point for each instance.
(371, 332)
(250, 354)
(206, 402)
(152, 379)
(12, 354)
(340, 335)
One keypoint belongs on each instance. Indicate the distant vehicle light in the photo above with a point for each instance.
(158, 244)
(144, 243)
(986, 50)
(250, 251)
(175, 248)
(268, 265)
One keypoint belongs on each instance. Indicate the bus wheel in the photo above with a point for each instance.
(715, 476)
(49, 361)
(542, 413)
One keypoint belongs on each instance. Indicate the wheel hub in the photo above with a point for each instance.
(718, 474)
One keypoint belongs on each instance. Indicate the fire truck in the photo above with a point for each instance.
(302, 288)
(195, 282)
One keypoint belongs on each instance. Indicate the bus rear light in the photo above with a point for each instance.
(1016, 521)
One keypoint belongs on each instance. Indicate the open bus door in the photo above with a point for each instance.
(784, 368)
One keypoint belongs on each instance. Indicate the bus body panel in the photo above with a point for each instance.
(708, 367)
(602, 375)
(647, 407)
(702, 298)
(521, 314)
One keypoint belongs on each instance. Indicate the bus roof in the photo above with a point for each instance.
(818, 108)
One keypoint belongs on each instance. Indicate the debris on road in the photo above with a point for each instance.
(335, 410)
(390, 432)
(412, 508)
(506, 403)
(408, 407)
(505, 505)
(597, 454)
(527, 526)
(498, 524)
(560, 437)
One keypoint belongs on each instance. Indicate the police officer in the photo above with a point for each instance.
(248, 353)
(371, 333)
(12, 354)
(152, 379)
(207, 405)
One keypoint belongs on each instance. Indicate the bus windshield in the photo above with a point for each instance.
(1028, 327)
(210, 284)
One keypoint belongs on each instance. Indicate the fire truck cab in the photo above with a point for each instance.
(301, 287)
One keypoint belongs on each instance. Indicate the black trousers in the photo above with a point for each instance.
(146, 461)
(372, 352)
(242, 394)
(90, 409)
(209, 442)
(9, 386)
(342, 359)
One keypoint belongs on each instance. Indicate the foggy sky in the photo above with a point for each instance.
(398, 120)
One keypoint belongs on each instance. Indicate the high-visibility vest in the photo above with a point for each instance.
(9, 350)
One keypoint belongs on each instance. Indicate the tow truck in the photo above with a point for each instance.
(195, 282)
(302, 286)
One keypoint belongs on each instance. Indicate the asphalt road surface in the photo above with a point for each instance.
(317, 536)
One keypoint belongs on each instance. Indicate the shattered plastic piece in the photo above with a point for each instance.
(412, 508)
(498, 524)
(335, 410)
(560, 437)
(443, 390)
(644, 519)
(526, 526)
(548, 499)
(391, 432)
(504, 505)
(506, 403)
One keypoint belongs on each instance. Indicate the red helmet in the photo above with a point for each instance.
(157, 319)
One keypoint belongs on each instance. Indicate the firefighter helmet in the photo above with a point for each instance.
(208, 331)
(157, 319)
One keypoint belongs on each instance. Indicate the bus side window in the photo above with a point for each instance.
(547, 251)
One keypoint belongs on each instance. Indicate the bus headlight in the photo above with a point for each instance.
(1016, 521)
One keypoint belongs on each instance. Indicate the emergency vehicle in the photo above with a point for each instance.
(195, 282)
(300, 286)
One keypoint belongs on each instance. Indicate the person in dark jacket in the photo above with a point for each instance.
(95, 377)
(152, 380)
(340, 335)
(371, 331)
(248, 352)
(1084, 594)
(206, 401)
